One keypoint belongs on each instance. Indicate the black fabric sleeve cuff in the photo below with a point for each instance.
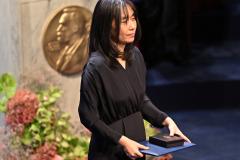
(105, 131)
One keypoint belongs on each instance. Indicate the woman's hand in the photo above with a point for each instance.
(173, 128)
(131, 147)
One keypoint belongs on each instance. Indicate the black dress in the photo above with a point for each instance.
(114, 103)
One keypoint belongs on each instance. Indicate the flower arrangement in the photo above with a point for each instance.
(36, 128)
(45, 152)
(21, 110)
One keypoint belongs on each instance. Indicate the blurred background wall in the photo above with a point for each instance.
(21, 30)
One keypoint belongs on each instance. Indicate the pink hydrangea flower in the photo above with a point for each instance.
(46, 152)
(57, 157)
(21, 109)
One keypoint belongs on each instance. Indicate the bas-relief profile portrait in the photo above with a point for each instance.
(65, 40)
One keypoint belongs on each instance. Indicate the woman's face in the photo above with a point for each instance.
(128, 26)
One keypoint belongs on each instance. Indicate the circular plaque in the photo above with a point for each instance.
(65, 40)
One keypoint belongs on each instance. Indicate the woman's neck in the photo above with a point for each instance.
(121, 47)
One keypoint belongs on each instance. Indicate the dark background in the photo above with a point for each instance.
(194, 74)
(203, 68)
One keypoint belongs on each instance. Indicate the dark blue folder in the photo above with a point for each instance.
(155, 150)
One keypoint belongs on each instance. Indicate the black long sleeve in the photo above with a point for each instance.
(151, 113)
(88, 109)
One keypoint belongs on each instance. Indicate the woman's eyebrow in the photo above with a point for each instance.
(126, 17)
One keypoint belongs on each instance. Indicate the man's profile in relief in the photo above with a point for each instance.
(72, 34)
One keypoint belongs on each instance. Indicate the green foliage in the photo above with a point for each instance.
(7, 89)
(150, 131)
(50, 124)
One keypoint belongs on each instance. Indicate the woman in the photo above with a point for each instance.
(113, 100)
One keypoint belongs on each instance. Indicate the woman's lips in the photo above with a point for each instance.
(131, 35)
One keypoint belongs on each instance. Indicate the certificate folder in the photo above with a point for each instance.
(156, 150)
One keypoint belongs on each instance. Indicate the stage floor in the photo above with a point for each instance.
(216, 133)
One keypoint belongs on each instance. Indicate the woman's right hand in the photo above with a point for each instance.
(131, 147)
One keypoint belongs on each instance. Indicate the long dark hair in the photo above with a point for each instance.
(105, 12)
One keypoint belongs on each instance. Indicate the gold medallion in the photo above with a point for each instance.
(65, 40)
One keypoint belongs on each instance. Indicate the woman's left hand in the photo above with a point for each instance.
(173, 128)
